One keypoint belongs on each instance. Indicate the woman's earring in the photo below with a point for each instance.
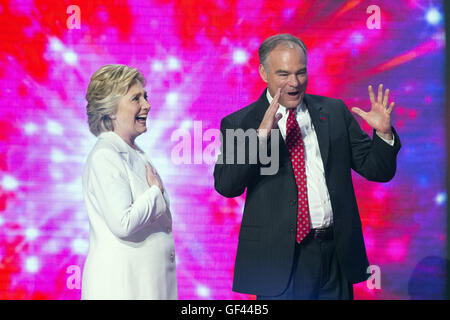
(113, 117)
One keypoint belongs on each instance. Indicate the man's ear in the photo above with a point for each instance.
(262, 73)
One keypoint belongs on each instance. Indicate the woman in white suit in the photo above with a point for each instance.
(131, 247)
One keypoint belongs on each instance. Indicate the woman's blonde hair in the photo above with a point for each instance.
(108, 84)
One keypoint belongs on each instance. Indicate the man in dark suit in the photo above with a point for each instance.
(301, 235)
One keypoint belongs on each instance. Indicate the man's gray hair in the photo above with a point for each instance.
(272, 42)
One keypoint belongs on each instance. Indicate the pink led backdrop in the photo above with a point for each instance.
(200, 60)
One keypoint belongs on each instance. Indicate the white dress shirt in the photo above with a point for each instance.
(321, 213)
(131, 245)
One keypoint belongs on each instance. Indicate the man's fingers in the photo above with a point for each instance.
(380, 93)
(270, 113)
(359, 112)
(277, 95)
(275, 103)
(386, 98)
(371, 95)
(283, 86)
(273, 107)
(391, 106)
(271, 119)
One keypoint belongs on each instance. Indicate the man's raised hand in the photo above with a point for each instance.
(271, 117)
(379, 116)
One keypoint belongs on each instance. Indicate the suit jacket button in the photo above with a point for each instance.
(293, 202)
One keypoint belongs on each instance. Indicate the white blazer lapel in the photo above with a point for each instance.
(120, 145)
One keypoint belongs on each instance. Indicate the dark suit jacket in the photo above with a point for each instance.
(267, 236)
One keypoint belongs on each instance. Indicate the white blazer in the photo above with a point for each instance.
(131, 247)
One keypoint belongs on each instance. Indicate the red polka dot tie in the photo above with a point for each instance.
(296, 148)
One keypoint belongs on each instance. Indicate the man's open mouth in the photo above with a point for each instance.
(293, 93)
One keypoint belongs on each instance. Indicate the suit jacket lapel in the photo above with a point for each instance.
(320, 120)
(121, 147)
(260, 108)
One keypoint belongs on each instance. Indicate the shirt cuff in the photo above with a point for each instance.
(389, 142)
